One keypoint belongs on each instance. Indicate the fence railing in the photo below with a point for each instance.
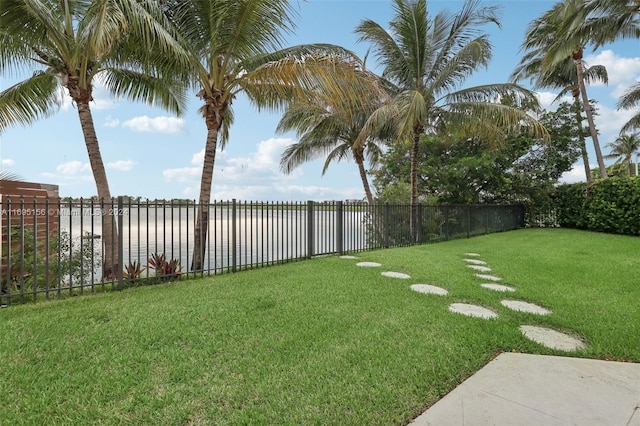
(50, 250)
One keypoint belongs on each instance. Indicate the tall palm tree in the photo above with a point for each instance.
(328, 127)
(72, 44)
(563, 76)
(554, 37)
(610, 20)
(236, 47)
(427, 60)
(623, 149)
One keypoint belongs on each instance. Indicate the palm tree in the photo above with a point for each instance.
(236, 47)
(552, 38)
(623, 149)
(427, 60)
(76, 43)
(328, 127)
(610, 20)
(562, 76)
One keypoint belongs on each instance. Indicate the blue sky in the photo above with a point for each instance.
(152, 154)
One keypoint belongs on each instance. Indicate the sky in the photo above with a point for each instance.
(153, 154)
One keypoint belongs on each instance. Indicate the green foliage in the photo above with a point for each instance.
(64, 262)
(609, 205)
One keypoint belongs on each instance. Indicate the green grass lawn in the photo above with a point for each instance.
(312, 342)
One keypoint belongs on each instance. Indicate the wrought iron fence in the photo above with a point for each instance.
(64, 248)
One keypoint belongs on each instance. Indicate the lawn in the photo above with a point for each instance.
(320, 341)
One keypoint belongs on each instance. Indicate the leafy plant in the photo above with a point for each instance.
(165, 269)
(133, 271)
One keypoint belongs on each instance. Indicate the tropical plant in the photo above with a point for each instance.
(328, 127)
(426, 61)
(623, 149)
(165, 269)
(564, 77)
(133, 271)
(72, 44)
(236, 47)
(550, 40)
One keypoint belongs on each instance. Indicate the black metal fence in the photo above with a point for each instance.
(65, 248)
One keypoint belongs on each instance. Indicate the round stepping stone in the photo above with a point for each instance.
(348, 257)
(396, 275)
(429, 289)
(472, 310)
(475, 261)
(479, 268)
(520, 306)
(498, 287)
(472, 254)
(368, 264)
(551, 338)
(488, 277)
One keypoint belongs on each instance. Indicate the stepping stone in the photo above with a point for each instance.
(520, 306)
(368, 264)
(348, 257)
(488, 277)
(479, 268)
(472, 254)
(472, 310)
(429, 289)
(396, 275)
(475, 261)
(551, 338)
(498, 287)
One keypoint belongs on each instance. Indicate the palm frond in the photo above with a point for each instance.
(29, 100)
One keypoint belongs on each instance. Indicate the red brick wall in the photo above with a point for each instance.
(27, 205)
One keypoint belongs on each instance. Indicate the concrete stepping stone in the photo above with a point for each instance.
(368, 264)
(396, 275)
(551, 339)
(488, 277)
(475, 261)
(472, 254)
(520, 306)
(348, 257)
(429, 289)
(472, 310)
(498, 287)
(479, 268)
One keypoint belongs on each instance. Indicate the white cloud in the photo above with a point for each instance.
(72, 168)
(623, 72)
(160, 124)
(7, 162)
(547, 100)
(576, 174)
(111, 122)
(122, 165)
(182, 175)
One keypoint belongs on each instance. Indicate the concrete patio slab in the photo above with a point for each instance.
(521, 389)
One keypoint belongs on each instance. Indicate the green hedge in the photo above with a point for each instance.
(610, 205)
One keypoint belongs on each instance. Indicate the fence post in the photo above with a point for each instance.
(310, 233)
(419, 224)
(339, 227)
(120, 244)
(234, 239)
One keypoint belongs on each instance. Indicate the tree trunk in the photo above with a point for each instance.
(583, 144)
(359, 157)
(587, 110)
(110, 267)
(202, 212)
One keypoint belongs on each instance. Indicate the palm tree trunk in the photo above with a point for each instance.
(202, 212)
(583, 144)
(110, 267)
(587, 110)
(359, 157)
